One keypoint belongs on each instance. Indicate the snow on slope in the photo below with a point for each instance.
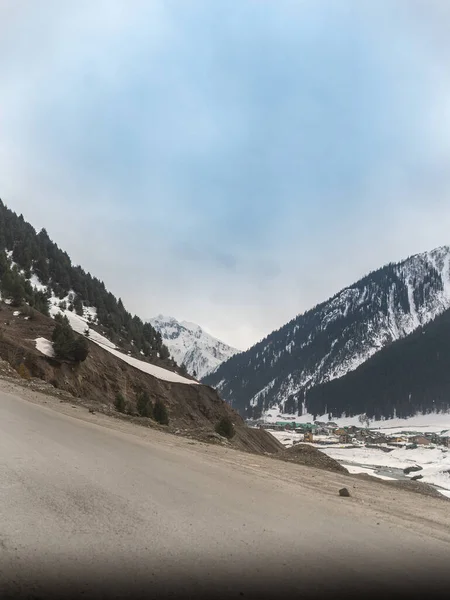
(45, 346)
(80, 324)
(190, 345)
(338, 335)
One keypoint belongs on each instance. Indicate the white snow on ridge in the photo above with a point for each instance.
(80, 324)
(399, 314)
(148, 368)
(190, 345)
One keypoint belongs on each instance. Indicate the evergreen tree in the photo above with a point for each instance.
(78, 306)
(160, 412)
(183, 369)
(143, 404)
(120, 403)
(164, 353)
(65, 344)
(225, 427)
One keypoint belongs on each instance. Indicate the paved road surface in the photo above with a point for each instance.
(87, 506)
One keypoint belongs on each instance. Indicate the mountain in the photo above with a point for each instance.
(125, 357)
(409, 376)
(33, 269)
(191, 346)
(336, 336)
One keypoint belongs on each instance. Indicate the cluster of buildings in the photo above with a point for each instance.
(330, 432)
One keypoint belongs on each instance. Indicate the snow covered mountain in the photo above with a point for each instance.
(190, 345)
(337, 336)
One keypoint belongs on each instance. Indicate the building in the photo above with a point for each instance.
(344, 438)
(352, 429)
(421, 440)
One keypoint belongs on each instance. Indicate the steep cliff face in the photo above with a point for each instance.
(338, 335)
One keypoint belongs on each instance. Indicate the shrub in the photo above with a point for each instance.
(23, 371)
(160, 412)
(225, 428)
(143, 404)
(120, 402)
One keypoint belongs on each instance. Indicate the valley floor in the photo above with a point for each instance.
(89, 500)
(384, 462)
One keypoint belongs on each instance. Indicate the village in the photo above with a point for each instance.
(330, 433)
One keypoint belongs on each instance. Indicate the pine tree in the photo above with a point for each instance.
(144, 405)
(164, 353)
(78, 306)
(225, 427)
(65, 344)
(160, 412)
(120, 402)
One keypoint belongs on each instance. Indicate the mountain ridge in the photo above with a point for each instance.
(33, 268)
(336, 336)
(190, 345)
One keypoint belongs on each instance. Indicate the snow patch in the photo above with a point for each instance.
(44, 346)
(36, 283)
(148, 368)
(80, 325)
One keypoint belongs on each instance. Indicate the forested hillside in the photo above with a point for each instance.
(24, 253)
(411, 375)
(336, 336)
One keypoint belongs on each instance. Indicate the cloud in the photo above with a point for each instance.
(228, 163)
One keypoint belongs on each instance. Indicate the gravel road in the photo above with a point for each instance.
(89, 502)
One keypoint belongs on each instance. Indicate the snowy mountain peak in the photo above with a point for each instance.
(190, 345)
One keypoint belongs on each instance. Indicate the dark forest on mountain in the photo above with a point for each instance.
(411, 375)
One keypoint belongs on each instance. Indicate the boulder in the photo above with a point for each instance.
(412, 469)
(344, 492)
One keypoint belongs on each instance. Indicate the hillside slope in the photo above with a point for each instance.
(191, 346)
(35, 270)
(99, 378)
(411, 375)
(338, 335)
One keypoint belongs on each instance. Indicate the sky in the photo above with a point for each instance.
(228, 162)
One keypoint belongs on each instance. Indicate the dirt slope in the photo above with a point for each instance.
(98, 379)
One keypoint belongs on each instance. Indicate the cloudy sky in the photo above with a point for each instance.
(228, 162)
